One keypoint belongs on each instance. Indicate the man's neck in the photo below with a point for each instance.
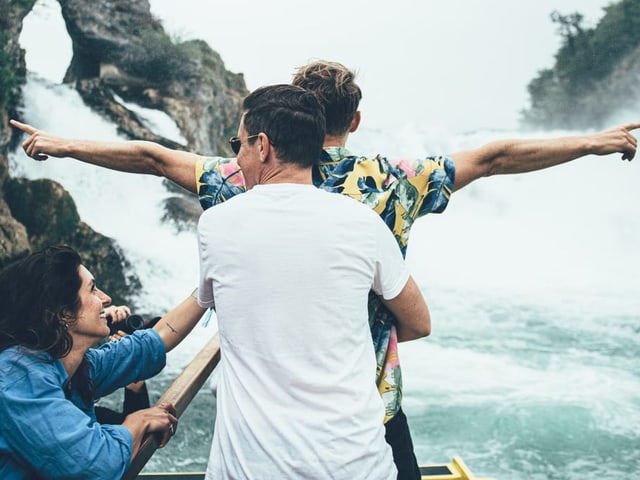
(288, 174)
(334, 141)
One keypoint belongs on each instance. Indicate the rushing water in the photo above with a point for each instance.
(532, 367)
(531, 371)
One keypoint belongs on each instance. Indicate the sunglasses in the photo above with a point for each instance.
(236, 143)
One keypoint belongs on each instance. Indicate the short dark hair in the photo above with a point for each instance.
(335, 86)
(291, 117)
(37, 295)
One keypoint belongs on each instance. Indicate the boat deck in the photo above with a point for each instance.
(455, 470)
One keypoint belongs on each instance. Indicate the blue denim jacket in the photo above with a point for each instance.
(44, 434)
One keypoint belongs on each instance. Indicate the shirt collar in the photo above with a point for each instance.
(336, 153)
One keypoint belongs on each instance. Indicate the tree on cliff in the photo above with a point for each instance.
(586, 82)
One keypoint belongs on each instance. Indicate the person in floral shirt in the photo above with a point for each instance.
(400, 191)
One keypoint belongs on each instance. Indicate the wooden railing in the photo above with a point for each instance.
(190, 381)
(180, 394)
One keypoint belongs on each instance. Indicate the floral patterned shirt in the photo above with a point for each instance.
(399, 192)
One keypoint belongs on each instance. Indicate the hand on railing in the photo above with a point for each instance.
(179, 394)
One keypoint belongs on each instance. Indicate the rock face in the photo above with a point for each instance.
(119, 50)
(118, 47)
(14, 241)
(49, 215)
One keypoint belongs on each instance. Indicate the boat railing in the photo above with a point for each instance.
(180, 393)
(185, 387)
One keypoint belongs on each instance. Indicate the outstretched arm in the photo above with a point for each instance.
(126, 156)
(519, 156)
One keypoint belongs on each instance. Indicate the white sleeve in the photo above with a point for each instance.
(391, 273)
(205, 286)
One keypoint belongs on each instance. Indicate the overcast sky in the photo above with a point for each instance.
(459, 64)
(455, 64)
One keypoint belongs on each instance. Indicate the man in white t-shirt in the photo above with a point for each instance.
(289, 268)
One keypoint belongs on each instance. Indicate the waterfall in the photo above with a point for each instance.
(532, 368)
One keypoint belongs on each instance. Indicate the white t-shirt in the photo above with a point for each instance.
(290, 267)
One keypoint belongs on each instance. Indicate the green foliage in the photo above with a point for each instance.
(158, 59)
(586, 56)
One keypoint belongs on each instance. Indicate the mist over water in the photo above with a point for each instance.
(531, 371)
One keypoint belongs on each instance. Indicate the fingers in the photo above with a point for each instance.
(30, 148)
(110, 312)
(117, 314)
(117, 336)
(23, 126)
(628, 154)
(172, 423)
(619, 139)
(631, 126)
(30, 145)
(169, 408)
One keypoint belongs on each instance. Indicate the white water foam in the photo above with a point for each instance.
(532, 281)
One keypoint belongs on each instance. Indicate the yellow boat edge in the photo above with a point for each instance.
(454, 470)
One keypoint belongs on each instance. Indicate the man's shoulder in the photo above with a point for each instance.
(408, 166)
(346, 204)
(224, 167)
(343, 161)
(217, 180)
(214, 162)
(226, 204)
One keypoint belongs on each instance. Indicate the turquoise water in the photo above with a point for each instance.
(532, 280)
(519, 391)
(531, 370)
(524, 391)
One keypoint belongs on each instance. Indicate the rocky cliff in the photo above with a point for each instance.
(119, 49)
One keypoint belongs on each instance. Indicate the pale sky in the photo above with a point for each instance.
(455, 64)
(459, 64)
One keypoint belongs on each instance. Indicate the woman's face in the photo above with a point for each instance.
(90, 322)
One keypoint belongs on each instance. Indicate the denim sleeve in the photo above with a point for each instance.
(138, 356)
(43, 433)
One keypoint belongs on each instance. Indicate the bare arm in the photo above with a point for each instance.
(411, 312)
(177, 323)
(519, 156)
(126, 156)
(172, 328)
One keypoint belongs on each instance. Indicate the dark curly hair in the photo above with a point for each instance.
(38, 298)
